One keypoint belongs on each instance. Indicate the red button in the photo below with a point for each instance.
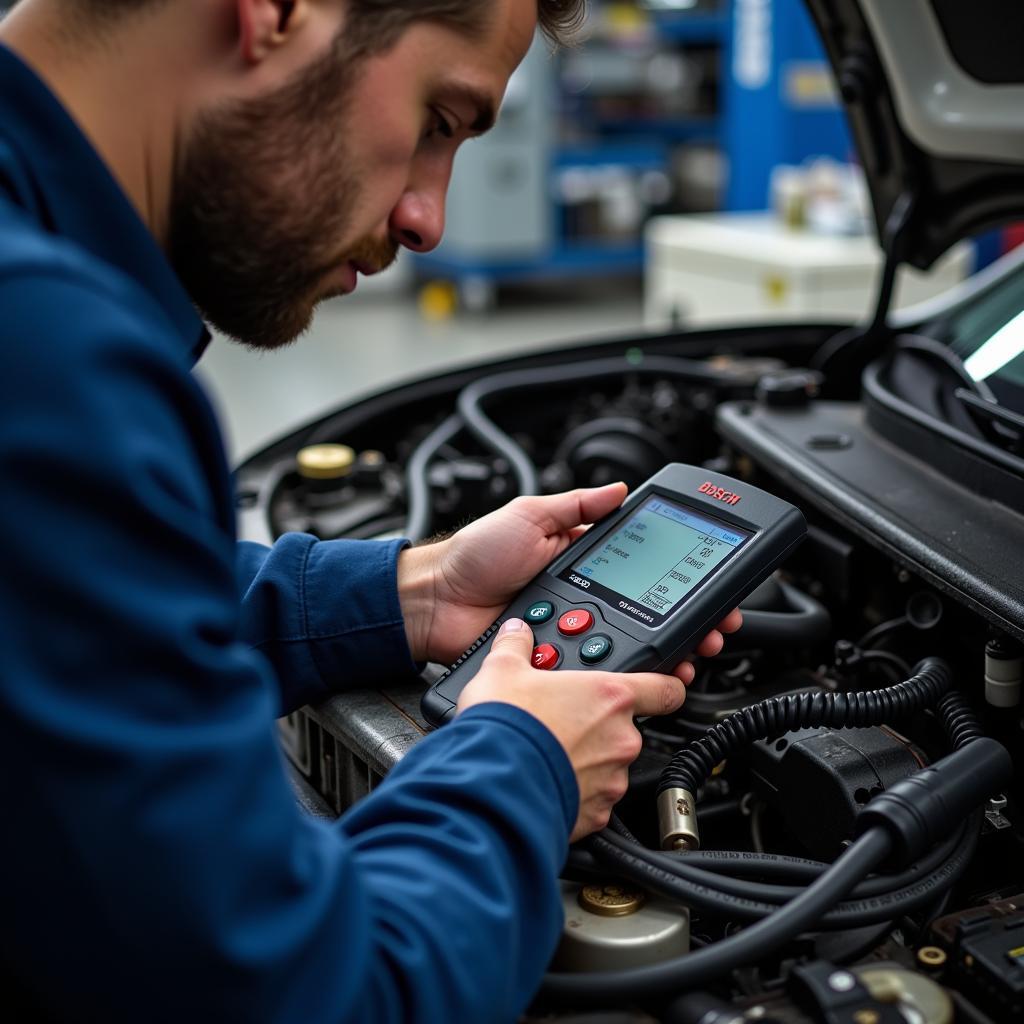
(545, 656)
(575, 621)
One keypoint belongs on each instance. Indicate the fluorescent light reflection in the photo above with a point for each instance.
(1003, 347)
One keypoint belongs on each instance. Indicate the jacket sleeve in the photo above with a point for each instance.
(157, 866)
(324, 613)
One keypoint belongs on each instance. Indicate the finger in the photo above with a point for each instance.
(655, 694)
(559, 513)
(711, 645)
(685, 672)
(731, 622)
(513, 640)
(596, 502)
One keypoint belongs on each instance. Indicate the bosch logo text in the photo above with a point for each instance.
(719, 493)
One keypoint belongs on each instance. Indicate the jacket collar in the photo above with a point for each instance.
(52, 171)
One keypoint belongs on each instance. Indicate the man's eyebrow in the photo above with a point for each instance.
(469, 95)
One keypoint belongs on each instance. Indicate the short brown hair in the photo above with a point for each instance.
(384, 20)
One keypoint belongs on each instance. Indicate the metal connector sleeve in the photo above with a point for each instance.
(677, 819)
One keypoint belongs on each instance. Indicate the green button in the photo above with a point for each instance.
(539, 611)
(595, 648)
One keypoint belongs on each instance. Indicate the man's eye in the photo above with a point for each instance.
(439, 125)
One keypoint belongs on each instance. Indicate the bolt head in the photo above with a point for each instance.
(841, 981)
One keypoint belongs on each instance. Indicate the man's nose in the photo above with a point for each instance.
(417, 221)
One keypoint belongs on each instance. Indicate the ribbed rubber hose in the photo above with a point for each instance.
(692, 766)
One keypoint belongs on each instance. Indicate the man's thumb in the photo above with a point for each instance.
(514, 639)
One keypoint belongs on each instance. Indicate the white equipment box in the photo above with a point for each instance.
(712, 269)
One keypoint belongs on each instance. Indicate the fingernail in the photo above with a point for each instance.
(512, 626)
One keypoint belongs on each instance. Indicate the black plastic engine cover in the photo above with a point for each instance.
(962, 542)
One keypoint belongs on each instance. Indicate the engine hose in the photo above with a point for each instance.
(716, 890)
(692, 766)
(862, 901)
(417, 525)
(747, 901)
(711, 962)
(471, 398)
(269, 489)
(805, 622)
(776, 893)
(798, 872)
(717, 865)
(960, 725)
(958, 720)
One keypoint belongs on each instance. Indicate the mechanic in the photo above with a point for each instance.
(239, 161)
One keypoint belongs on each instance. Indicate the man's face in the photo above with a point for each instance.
(280, 201)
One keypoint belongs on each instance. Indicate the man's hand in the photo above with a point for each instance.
(453, 590)
(590, 714)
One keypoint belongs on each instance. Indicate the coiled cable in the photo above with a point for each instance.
(770, 718)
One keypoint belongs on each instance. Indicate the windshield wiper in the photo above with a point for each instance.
(1001, 426)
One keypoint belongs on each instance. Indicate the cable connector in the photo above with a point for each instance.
(677, 819)
(926, 807)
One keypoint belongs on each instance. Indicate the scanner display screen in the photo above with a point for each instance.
(656, 558)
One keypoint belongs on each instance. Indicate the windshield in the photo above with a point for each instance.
(987, 333)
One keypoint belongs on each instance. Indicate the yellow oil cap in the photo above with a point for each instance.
(325, 461)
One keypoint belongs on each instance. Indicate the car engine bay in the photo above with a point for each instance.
(890, 641)
(830, 828)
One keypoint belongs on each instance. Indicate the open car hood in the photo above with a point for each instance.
(934, 93)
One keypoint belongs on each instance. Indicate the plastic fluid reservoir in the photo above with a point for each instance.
(613, 925)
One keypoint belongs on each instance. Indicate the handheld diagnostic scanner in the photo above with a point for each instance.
(641, 588)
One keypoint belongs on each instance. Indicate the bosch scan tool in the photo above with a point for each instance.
(639, 589)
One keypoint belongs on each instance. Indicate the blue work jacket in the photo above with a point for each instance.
(155, 865)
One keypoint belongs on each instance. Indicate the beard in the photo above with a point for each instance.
(262, 193)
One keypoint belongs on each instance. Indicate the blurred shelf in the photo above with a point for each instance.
(672, 129)
(693, 28)
(642, 154)
(580, 184)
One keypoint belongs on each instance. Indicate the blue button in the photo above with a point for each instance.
(595, 648)
(539, 611)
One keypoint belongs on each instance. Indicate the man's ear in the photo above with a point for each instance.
(263, 25)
